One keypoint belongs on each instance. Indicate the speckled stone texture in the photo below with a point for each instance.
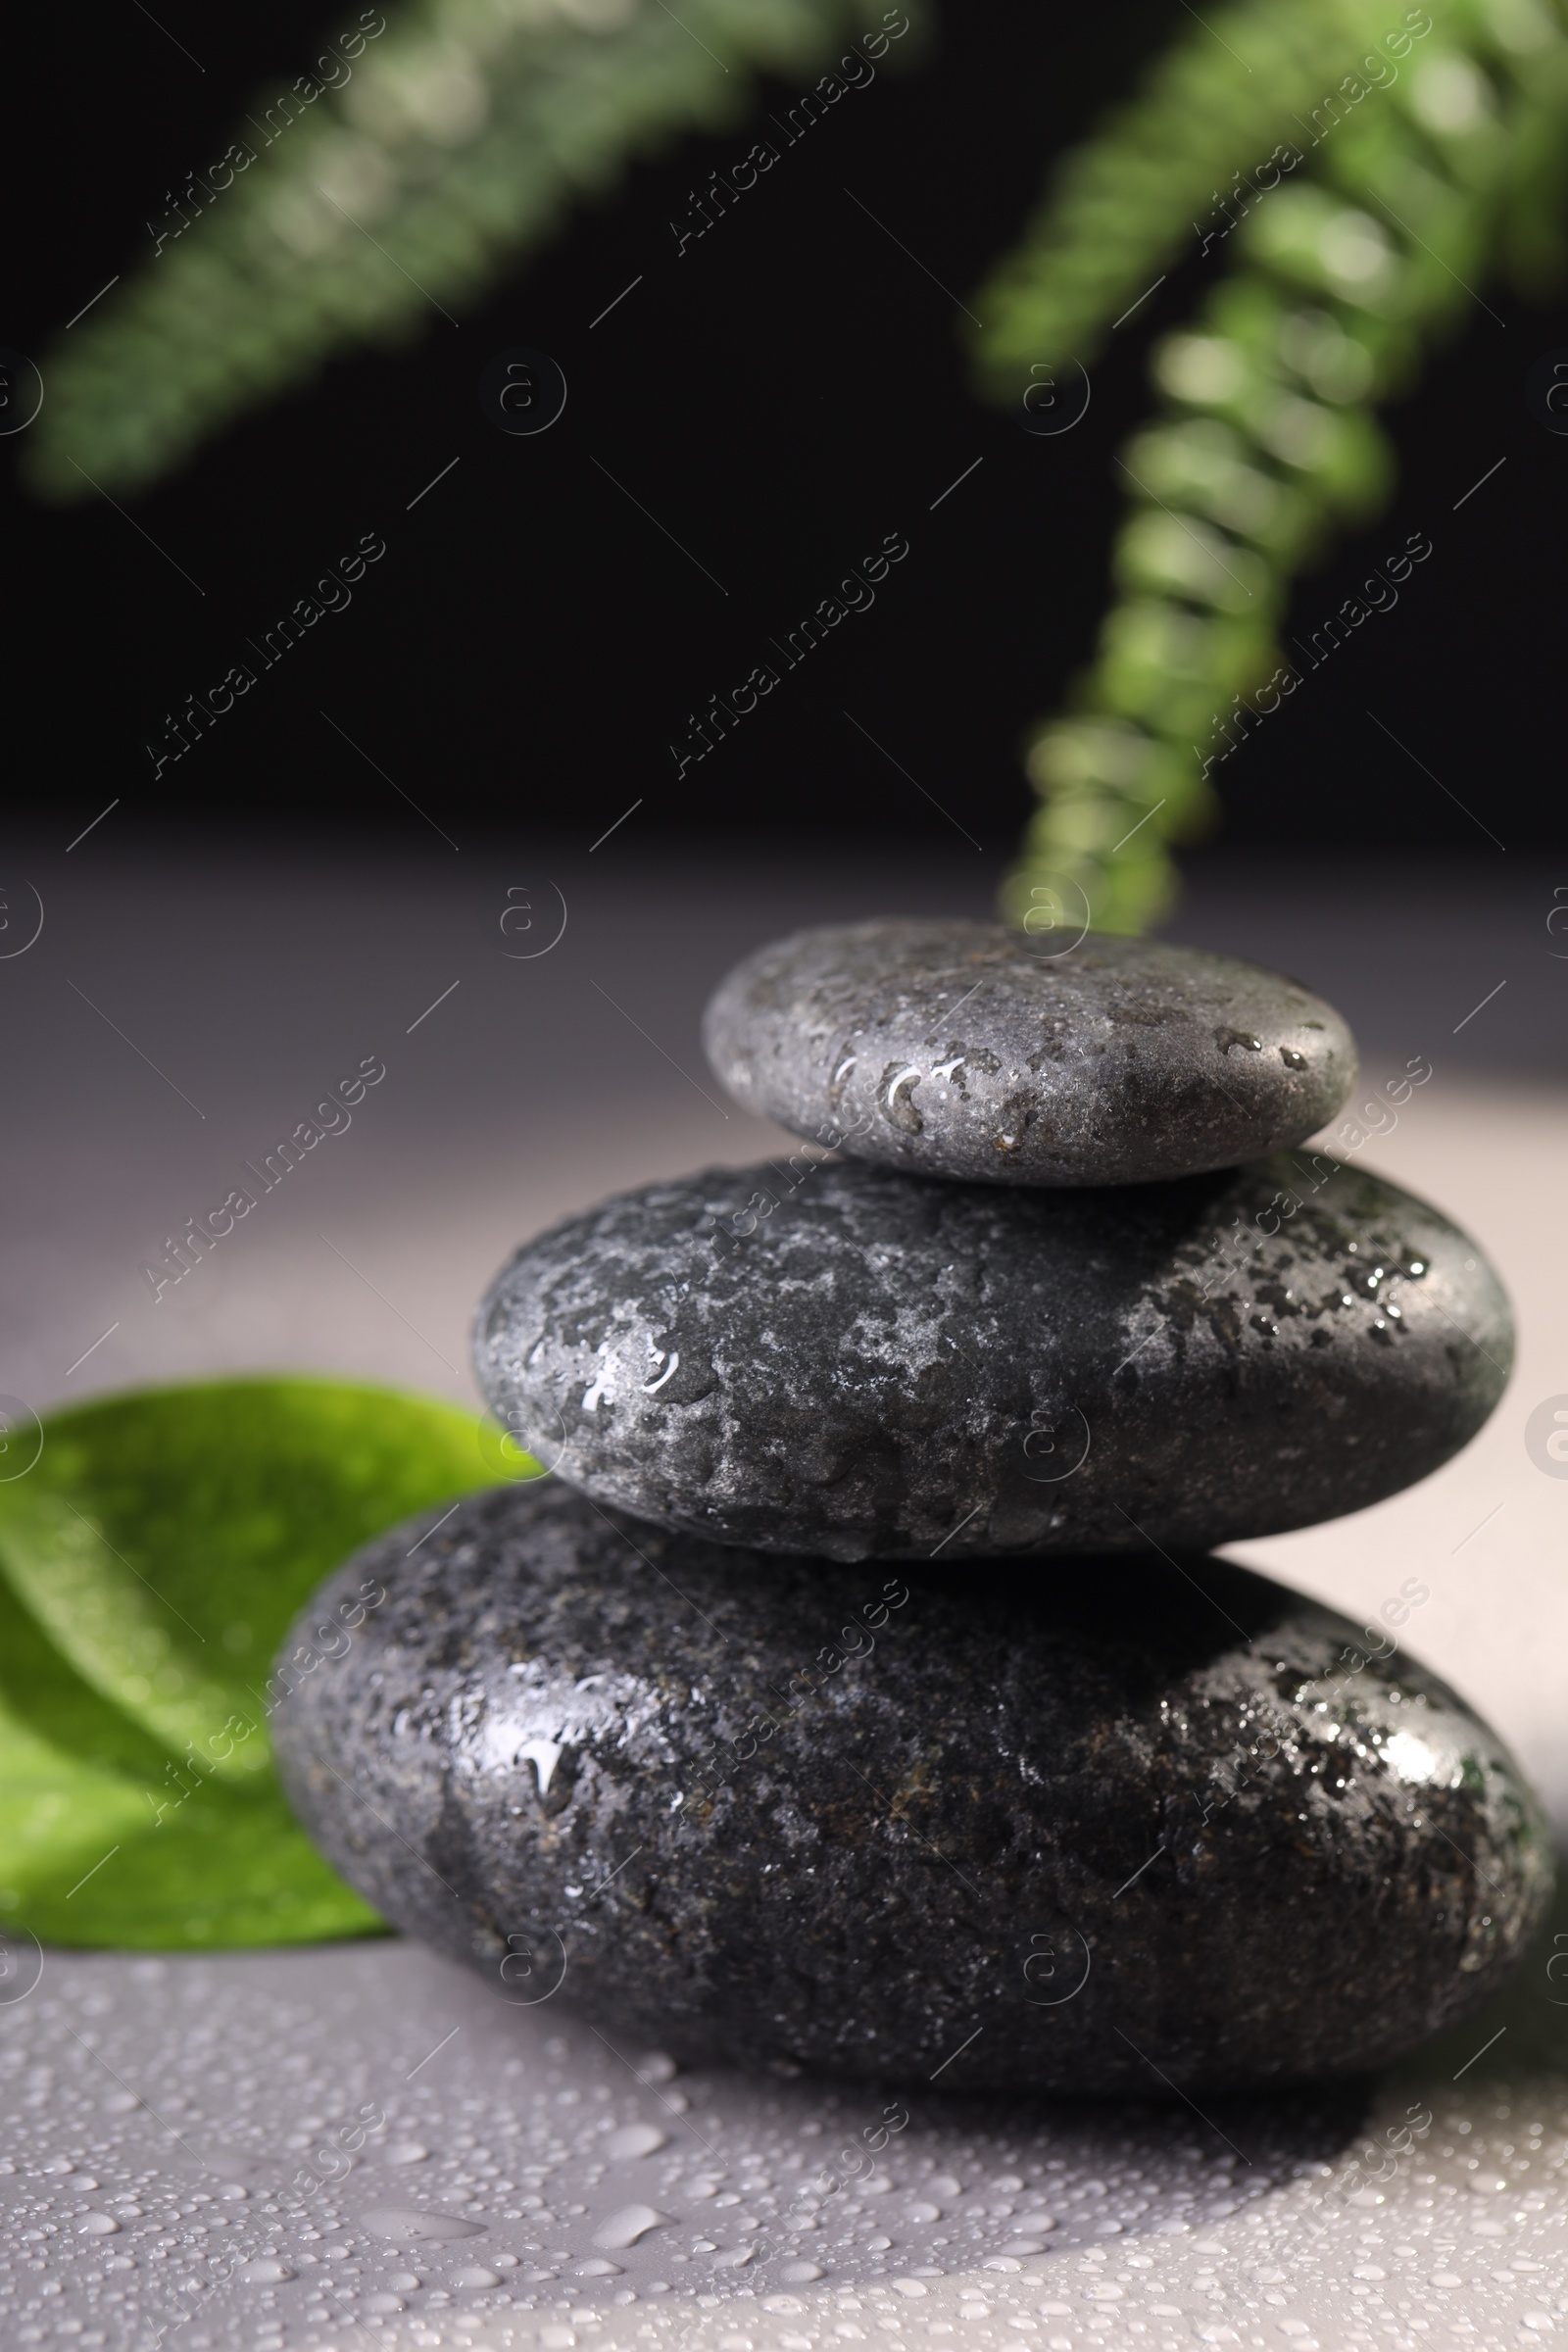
(784, 1812)
(972, 1051)
(829, 1357)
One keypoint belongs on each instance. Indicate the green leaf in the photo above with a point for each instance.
(150, 1563)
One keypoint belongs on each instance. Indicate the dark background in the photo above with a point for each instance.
(780, 398)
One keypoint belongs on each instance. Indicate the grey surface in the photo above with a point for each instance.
(978, 1052)
(831, 1357)
(1165, 1817)
(247, 971)
(175, 2099)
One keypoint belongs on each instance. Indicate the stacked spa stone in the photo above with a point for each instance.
(860, 1692)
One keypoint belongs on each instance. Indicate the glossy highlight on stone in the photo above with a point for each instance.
(972, 1051)
(823, 1357)
(1077, 1833)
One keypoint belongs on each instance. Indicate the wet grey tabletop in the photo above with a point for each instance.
(501, 2175)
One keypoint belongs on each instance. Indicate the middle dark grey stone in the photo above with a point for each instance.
(838, 1360)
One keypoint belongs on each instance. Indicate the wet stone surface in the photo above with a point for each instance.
(822, 1356)
(972, 1051)
(1037, 1835)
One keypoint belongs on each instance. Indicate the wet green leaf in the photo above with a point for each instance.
(149, 1565)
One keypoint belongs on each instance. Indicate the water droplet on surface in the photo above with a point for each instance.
(625, 2227)
(635, 2140)
(405, 2226)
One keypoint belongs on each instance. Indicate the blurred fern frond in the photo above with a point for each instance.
(1357, 166)
(398, 180)
(1373, 164)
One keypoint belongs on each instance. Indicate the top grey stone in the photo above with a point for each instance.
(970, 1051)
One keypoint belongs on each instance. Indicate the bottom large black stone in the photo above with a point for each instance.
(1148, 1821)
